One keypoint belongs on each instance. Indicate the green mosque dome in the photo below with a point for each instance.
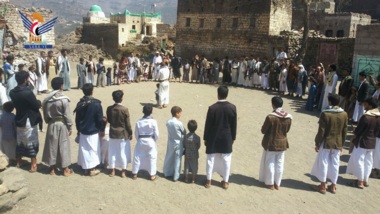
(95, 8)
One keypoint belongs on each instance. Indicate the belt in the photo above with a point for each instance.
(145, 136)
(57, 119)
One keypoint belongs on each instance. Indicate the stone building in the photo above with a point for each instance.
(111, 33)
(343, 24)
(228, 27)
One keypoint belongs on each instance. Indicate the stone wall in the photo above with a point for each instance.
(345, 22)
(367, 51)
(16, 30)
(166, 30)
(225, 27)
(103, 36)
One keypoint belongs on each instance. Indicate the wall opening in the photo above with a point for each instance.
(218, 23)
(340, 33)
(201, 23)
(235, 22)
(329, 33)
(188, 20)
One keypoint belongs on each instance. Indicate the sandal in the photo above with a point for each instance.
(355, 184)
(319, 189)
(153, 178)
(225, 185)
(52, 172)
(332, 188)
(366, 184)
(207, 184)
(134, 176)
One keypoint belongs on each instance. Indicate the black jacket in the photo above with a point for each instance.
(363, 92)
(220, 128)
(345, 87)
(89, 116)
(27, 106)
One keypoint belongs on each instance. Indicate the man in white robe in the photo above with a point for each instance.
(157, 60)
(146, 133)
(163, 90)
(219, 136)
(329, 142)
(364, 142)
(90, 125)
(275, 142)
(42, 84)
(330, 87)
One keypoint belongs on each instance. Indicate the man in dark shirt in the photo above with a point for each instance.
(27, 118)
(90, 126)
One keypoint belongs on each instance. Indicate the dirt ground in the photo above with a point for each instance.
(103, 194)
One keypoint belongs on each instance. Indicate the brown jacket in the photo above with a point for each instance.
(332, 129)
(368, 129)
(275, 129)
(119, 119)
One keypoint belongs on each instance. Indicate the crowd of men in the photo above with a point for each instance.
(279, 74)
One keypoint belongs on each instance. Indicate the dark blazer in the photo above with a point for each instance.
(27, 106)
(367, 130)
(119, 119)
(345, 87)
(220, 128)
(363, 91)
(332, 130)
(89, 116)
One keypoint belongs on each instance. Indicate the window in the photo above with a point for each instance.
(340, 33)
(133, 27)
(218, 23)
(252, 23)
(329, 33)
(235, 22)
(188, 20)
(122, 30)
(201, 23)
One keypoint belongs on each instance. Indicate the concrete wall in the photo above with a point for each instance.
(256, 20)
(104, 36)
(367, 51)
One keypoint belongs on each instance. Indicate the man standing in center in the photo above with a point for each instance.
(90, 126)
(329, 143)
(275, 143)
(219, 135)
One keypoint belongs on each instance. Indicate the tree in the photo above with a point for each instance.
(302, 50)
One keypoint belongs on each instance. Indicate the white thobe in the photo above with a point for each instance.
(89, 151)
(219, 163)
(104, 144)
(119, 153)
(256, 76)
(360, 163)
(241, 73)
(265, 81)
(329, 89)
(156, 62)
(163, 90)
(174, 151)
(42, 84)
(145, 156)
(326, 165)
(272, 167)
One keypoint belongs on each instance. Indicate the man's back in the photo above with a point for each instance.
(89, 117)
(220, 128)
(332, 129)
